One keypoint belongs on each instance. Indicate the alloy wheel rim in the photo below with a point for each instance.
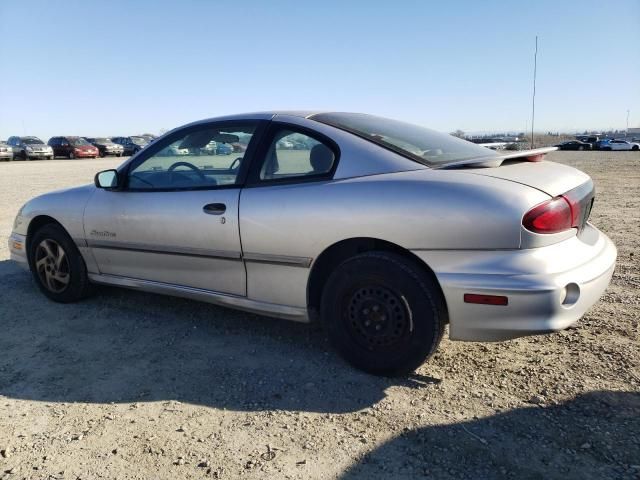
(52, 265)
(377, 318)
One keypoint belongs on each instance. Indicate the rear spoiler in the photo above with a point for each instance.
(535, 155)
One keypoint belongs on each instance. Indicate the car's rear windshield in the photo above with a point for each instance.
(32, 141)
(418, 143)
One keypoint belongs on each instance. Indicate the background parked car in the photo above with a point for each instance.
(174, 151)
(72, 147)
(224, 149)
(621, 145)
(574, 145)
(131, 145)
(28, 148)
(106, 146)
(6, 152)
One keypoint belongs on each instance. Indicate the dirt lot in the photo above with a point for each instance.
(131, 385)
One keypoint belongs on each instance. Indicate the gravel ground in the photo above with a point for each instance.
(130, 385)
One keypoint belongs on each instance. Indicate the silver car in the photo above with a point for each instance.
(382, 230)
(6, 151)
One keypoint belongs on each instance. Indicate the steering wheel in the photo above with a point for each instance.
(172, 169)
(235, 164)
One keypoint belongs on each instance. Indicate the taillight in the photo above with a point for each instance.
(552, 216)
(570, 210)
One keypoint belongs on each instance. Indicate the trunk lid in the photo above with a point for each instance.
(551, 178)
(526, 167)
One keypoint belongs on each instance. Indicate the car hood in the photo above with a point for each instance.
(84, 147)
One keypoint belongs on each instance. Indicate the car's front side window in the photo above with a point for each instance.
(192, 160)
(294, 155)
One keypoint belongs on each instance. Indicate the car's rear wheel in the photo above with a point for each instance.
(71, 156)
(57, 266)
(635, 147)
(384, 313)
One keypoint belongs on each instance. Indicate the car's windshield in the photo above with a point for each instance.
(421, 144)
(78, 141)
(102, 140)
(138, 140)
(32, 141)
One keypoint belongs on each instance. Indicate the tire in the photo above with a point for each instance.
(71, 156)
(24, 156)
(50, 157)
(635, 147)
(580, 148)
(61, 278)
(364, 293)
(102, 154)
(118, 155)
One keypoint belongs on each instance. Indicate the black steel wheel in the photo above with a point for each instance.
(385, 313)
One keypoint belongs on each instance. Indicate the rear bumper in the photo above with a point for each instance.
(18, 249)
(548, 288)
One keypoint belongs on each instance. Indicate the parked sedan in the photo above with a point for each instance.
(382, 230)
(574, 145)
(73, 147)
(6, 152)
(621, 145)
(131, 145)
(106, 147)
(29, 148)
(224, 149)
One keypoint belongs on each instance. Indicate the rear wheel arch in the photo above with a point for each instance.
(341, 251)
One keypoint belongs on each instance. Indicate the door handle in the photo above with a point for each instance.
(214, 208)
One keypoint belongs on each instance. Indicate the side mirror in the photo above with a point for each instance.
(108, 179)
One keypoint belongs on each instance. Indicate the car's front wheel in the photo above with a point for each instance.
(57, 266)
(384, 313)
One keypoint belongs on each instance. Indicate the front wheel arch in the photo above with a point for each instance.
(36, 224)
(340, 251)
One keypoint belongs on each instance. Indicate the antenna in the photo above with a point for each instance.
(533, 99)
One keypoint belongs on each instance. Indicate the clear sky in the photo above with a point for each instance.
(120, 67)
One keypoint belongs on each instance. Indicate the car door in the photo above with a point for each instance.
(175, 220)
(285, 183)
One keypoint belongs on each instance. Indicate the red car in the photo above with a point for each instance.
(72, 147)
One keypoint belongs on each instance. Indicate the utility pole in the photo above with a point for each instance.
(533, 99)
(627, 132)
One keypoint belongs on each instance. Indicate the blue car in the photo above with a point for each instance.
(224, 149)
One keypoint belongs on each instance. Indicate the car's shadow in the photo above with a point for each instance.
(125, 346)
(594, 436)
